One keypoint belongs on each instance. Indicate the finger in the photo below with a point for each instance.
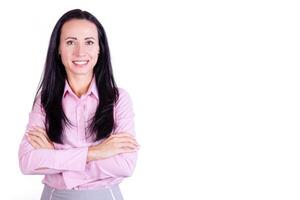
(124, 145)
(40, 129)
(34, 131)
(127, 150)
(40, 135)
(33, 143)
(44, 133)
(37, 139)
(128, 145)
(122, 134)
(124, 139)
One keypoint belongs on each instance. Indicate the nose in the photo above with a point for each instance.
(79, 50)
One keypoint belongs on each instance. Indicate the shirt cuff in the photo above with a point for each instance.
(71, 159)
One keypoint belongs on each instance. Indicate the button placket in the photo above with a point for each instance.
(80, 122)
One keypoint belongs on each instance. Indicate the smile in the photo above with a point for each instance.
(80, 62)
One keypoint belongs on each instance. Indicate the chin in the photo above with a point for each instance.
(81, 72)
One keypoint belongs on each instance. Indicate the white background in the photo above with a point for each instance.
(215, 87)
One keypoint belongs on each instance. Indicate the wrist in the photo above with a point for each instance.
(91, 154)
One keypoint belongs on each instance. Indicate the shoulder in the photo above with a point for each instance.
(124, 98)
(37, 105)
(123, 93)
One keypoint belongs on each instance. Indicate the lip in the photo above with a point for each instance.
(80, 62)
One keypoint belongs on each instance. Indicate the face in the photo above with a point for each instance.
(79, 47)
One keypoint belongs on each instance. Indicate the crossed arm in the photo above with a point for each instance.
(113, 145)
(113, 157)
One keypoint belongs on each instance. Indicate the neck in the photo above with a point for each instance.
(79, 84)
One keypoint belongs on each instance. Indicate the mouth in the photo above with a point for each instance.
(80, 62)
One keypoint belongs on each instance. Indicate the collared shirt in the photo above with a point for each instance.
(66, 166)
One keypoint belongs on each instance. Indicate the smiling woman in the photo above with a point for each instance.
(79, 48)
(80, 132)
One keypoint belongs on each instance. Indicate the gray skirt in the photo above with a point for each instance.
(110, 193)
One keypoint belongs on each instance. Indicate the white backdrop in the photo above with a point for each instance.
(215, 87)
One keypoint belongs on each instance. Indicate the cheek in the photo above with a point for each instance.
(65, 55)
(93, 52)
(95, 56)
(94, 59)
(64, 58)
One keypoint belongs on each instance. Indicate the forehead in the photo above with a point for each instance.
(78, 27)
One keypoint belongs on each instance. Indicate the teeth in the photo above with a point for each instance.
(80, 62)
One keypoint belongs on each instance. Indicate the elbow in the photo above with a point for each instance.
(120, 166)
(25, 166)
(129, 168)
(25, 169)
(127, 173)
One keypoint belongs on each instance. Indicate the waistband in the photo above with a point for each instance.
(109, 192)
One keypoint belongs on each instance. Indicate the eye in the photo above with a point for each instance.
(89, 42)
(70, 42)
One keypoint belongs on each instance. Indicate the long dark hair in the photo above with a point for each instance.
(52, 85)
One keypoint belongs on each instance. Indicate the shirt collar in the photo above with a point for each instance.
(92, 89)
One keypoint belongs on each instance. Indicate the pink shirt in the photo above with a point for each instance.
(66, 166)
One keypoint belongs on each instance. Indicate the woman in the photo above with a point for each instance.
(80, 133)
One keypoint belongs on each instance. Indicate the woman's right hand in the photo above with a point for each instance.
(113, 145)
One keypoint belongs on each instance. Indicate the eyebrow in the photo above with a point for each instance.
(87, 38)
(74, 38)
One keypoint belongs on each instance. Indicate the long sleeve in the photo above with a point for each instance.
(121, 165)
(47, 161)
(118, 166)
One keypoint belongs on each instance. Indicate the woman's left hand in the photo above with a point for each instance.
(39, 139)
